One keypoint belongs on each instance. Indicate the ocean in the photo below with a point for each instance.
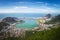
(27, 23)
(3, 15)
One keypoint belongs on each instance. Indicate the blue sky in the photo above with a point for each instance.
(29, 6)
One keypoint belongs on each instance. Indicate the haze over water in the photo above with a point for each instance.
(18, 15)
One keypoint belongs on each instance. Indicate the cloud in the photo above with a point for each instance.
(25, 9)
(56, 5)
(43, 3)
(42, 8)
(17, 7)
(40, 3)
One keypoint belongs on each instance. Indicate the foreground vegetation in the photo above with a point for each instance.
(53, 34)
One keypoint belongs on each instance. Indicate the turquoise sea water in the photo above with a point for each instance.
(3, 15)
(27, 24)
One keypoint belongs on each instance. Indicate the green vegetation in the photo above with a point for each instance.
(53, 34)
(55, 19)
(13, 38)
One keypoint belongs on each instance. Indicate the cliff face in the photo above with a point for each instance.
(10, 19)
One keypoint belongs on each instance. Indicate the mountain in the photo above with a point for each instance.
(10, 19)
(48, 16)
(55, 19)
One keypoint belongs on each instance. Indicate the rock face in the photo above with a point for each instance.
(10, 19)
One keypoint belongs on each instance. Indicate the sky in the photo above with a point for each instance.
(29, 6)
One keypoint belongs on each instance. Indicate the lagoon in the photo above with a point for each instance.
(27, 24)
